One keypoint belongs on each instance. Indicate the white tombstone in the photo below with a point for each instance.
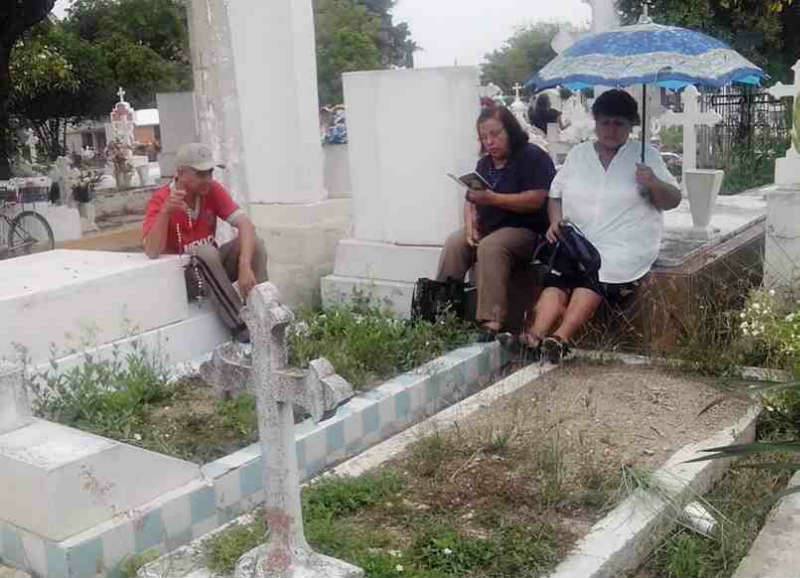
(256, 92)
(122, 121)
(31, 143)
(286, 553)
(782, 246)
(407, 129)
(690, 119)
(787, 169)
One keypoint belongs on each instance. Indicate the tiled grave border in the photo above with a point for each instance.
(233, 484)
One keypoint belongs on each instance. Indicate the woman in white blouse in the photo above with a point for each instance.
(617, 202)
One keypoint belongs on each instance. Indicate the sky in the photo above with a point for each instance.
(464, 31)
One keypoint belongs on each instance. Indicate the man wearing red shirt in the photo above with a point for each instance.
(182, 218)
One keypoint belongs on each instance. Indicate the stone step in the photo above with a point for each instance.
(67, 299)
(57, 481)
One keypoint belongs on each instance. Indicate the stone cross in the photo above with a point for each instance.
(781, 90)
(121, 94)
(690, 119)
(517, 88)
(277, 388)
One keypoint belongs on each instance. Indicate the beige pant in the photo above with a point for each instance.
(496, 255)
(218, 269)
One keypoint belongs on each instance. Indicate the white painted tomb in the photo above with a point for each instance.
(56, 481)
(782, 249)
(407, 129)
(256, 92)
(73, 301)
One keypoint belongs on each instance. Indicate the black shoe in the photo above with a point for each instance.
(242, 334)
(486, 336)
(554, 350)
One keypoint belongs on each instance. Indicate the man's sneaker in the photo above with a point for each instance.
(554, 350)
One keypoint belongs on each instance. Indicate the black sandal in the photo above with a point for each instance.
(555, 349)
(530, 345)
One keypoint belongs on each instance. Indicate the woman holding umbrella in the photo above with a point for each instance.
(641, 54)
(617, 202)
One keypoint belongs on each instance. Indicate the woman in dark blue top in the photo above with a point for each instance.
(502, 225)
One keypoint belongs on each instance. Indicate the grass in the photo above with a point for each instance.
(367, 345)
(741, 502)
(130, 397)
(478, 501)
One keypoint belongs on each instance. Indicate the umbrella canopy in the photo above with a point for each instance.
(647, 53)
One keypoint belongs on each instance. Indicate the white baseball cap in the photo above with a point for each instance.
(197, 156)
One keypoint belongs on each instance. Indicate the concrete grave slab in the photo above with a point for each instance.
(60, 298)
(57, 481)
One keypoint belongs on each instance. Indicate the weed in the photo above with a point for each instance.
(366, 344)
(131, 564)
(334, 497)
(223, 551)
(428, 454)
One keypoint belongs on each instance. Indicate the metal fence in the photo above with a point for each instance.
(752, 121)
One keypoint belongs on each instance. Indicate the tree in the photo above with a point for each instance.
(765, 31)
(521, 56)
(146, 43)
(356, 35)
(58, 78)
(16, 16)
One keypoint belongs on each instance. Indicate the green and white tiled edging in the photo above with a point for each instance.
(233, 484)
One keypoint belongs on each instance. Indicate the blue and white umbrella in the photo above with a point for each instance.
(647, 53)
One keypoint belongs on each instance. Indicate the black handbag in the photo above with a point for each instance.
(573, 255)
(433, 299)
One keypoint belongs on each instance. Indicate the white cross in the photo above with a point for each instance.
(121, 94)
(781, 90)
(517, 87)
(690, 119)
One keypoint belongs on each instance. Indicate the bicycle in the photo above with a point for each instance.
(25, 233)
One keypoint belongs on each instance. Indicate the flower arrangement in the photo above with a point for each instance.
(83, 184)
(119, 154)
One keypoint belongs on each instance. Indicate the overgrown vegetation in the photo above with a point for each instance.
(131, 399)
(367, 344)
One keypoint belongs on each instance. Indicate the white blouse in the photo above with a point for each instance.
(624, 226)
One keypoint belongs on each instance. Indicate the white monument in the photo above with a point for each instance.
(407, 129)
(690, 119)
(286, 553)
(782, 250)
(256, 94)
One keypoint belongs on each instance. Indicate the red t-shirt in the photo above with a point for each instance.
(200, 230)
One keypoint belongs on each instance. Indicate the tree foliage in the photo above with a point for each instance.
(356, 35)
(16, 17)
(765, 31)
(521, 56)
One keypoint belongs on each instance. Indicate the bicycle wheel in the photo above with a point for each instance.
(30, 233)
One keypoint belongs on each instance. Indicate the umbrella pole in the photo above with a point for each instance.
(644, 119)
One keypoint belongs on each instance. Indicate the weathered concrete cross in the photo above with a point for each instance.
(286, 553)
(690, 119)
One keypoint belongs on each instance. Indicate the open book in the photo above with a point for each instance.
(472, 181)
